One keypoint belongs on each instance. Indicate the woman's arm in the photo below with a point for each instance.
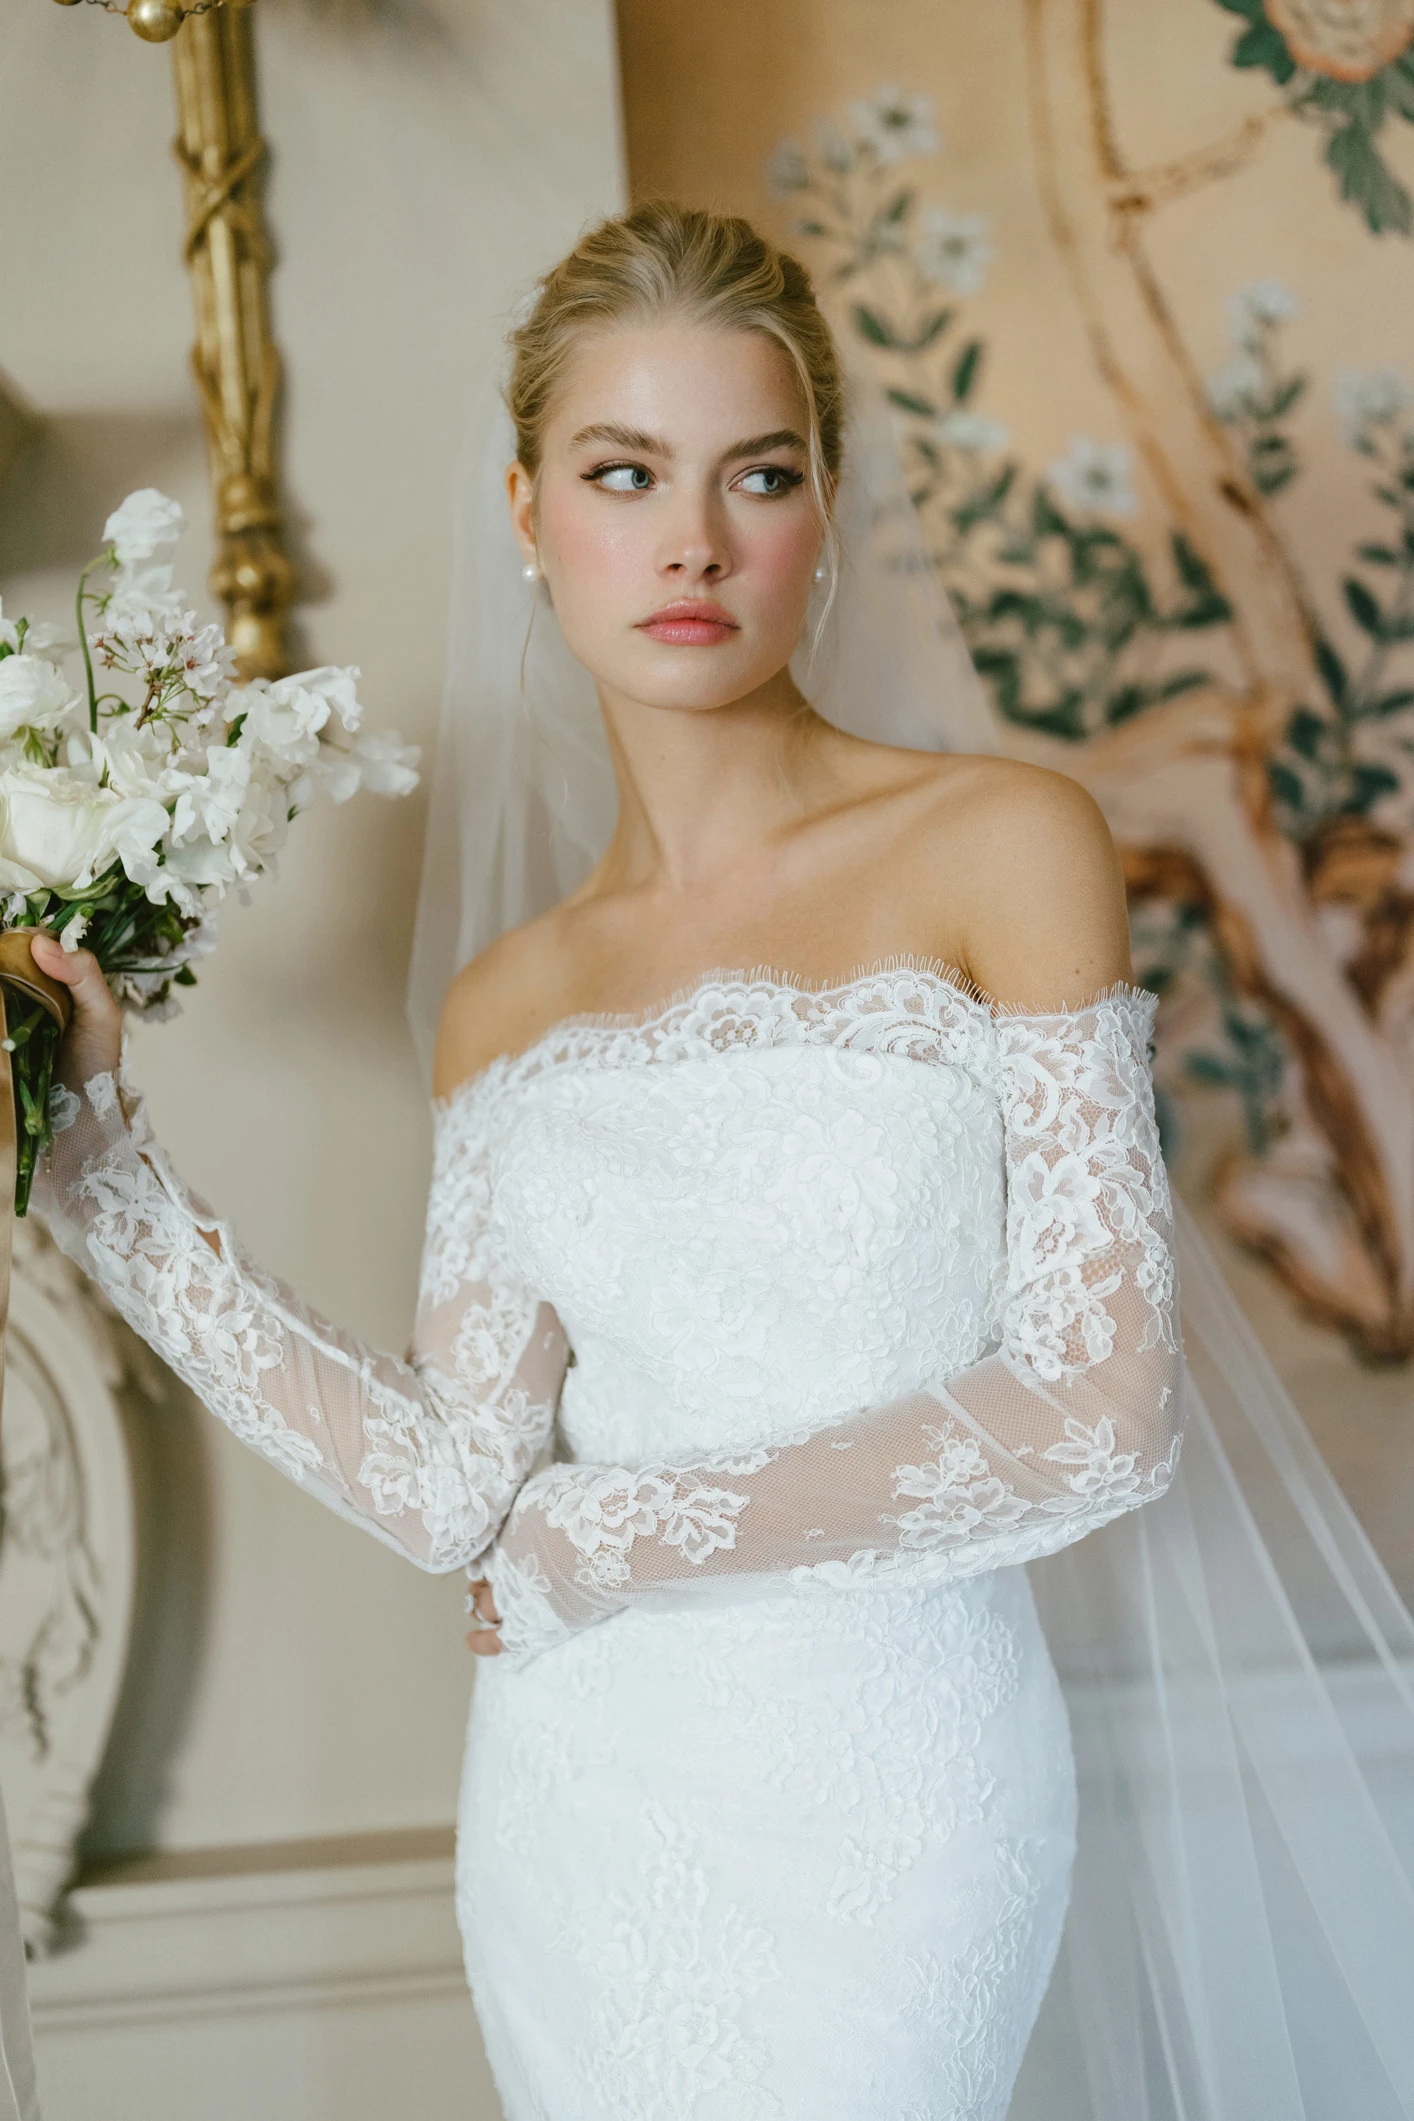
(1073, 1420)
(426, 1453)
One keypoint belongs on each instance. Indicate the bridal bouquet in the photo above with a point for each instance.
(126, 813)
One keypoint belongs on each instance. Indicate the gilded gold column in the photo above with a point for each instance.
(235, 358)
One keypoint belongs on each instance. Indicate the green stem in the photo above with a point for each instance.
(102, 559)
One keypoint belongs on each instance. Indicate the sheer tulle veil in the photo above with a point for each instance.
(1238, 1666)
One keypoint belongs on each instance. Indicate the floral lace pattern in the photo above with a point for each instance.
(427, 1454)
(1070, 1422)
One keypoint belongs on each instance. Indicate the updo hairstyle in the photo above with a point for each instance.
(663, 261)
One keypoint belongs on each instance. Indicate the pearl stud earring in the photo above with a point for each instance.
(531, 571)
(820, 574)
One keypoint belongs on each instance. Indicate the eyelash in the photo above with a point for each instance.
(790, 478)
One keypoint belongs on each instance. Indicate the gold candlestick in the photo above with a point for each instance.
(236, 362)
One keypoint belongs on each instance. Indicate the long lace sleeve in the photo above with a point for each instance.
(426, 1453)
(1074, 1418)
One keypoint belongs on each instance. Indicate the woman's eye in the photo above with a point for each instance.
(769, 480)
(623, 478)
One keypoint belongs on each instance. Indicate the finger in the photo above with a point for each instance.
(484, 1642)
(483, 1602)
(76, 969)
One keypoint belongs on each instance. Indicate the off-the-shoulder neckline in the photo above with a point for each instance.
(739, 981)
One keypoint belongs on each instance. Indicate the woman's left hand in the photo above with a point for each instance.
(484, 1641)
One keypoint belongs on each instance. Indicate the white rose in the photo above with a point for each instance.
(145, 527)
(32, 694)
(59, 832)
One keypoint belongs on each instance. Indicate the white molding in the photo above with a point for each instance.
(223, 1933)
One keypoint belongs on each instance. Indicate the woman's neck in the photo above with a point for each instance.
(704, 792)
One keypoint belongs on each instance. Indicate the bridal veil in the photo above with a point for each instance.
(1238, 1666)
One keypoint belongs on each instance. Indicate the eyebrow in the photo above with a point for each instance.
(648, 445)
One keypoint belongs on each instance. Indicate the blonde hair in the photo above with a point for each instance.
(663, 260)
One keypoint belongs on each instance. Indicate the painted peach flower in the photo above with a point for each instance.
(1348, 39)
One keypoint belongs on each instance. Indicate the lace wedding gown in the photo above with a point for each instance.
(870, 1299)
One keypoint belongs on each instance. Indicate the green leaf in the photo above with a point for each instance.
(927, 333)
(1288, 395)
(1367, 181)
(897, 208)
(1250, 10)
(964, 375)
(1332, 671)
(1046, 519)
(1380, 555)
(1369, 783)
(233, 734)
(1183, 681)
(1394, 702)
(907, 402)
(1399, 85)
(1264, 45)
(1066, 719)
(1285, 785)
(811, 228)
(184, 977)
(1363, 608)
(871, 326)
(1306, 733)
(1207, 1068)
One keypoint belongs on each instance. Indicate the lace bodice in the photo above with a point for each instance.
(863, 1284)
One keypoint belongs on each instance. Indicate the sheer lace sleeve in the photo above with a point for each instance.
(1074, 1418)
(426, 1453)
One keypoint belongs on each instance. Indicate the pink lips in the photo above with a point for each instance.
(692, 622)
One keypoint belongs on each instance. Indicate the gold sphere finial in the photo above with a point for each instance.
(154, 20)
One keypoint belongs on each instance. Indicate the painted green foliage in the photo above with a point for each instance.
(1349, 113)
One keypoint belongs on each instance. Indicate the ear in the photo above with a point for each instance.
(520, 493)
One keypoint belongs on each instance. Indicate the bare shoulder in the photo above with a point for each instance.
(497, 1003)
(1026, 860)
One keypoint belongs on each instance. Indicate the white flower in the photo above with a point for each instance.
(973, 430)
(209, 802)
(137, 762)
(895, 124)
(207, 663)
(836, 147)
(1232, 388)
(788, 169)
(1096, 478)
(141, 593)
(261, 827)
(955, 249)
(382, 764)
(145, 527)
(59, 831)
(1253, 309)
(9, 631)
(284, 719)
(74, 932)
(32, 694)
(1364, 398)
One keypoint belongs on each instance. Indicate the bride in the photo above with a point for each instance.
(769, 1318)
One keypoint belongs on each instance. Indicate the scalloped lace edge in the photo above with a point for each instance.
(739, 980)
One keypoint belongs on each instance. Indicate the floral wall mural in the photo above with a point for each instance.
(1182, 597)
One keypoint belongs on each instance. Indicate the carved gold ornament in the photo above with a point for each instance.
(1348, 39)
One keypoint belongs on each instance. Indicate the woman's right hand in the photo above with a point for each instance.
(93, 1042)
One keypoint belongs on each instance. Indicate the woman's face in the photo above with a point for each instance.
(672, 518)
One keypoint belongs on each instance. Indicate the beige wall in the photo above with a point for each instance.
(298, 1680)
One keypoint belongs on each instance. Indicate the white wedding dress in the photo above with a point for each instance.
(769, 1808)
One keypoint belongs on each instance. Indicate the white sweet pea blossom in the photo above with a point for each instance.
(1095, 478)
(385, 766)
(284, 718)
(209, 801)
(33, 694)
(145, 527)
(955, 249)
(142, 592)
(1364, 398)
(895, 124)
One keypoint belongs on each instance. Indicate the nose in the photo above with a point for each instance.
(695, 545)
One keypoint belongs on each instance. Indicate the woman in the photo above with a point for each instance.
(866, 1275)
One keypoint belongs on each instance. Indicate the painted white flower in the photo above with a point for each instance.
(955, 249)
(836, 147)
(896, 124)
(973, 431)
(1233, 387)
(1254, 309)
(33, 695)
(1364, 398)
(59, 831)
(1096, 478)
(788, 169)
(145, 527)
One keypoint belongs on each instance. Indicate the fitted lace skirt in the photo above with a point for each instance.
(803, 1855)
